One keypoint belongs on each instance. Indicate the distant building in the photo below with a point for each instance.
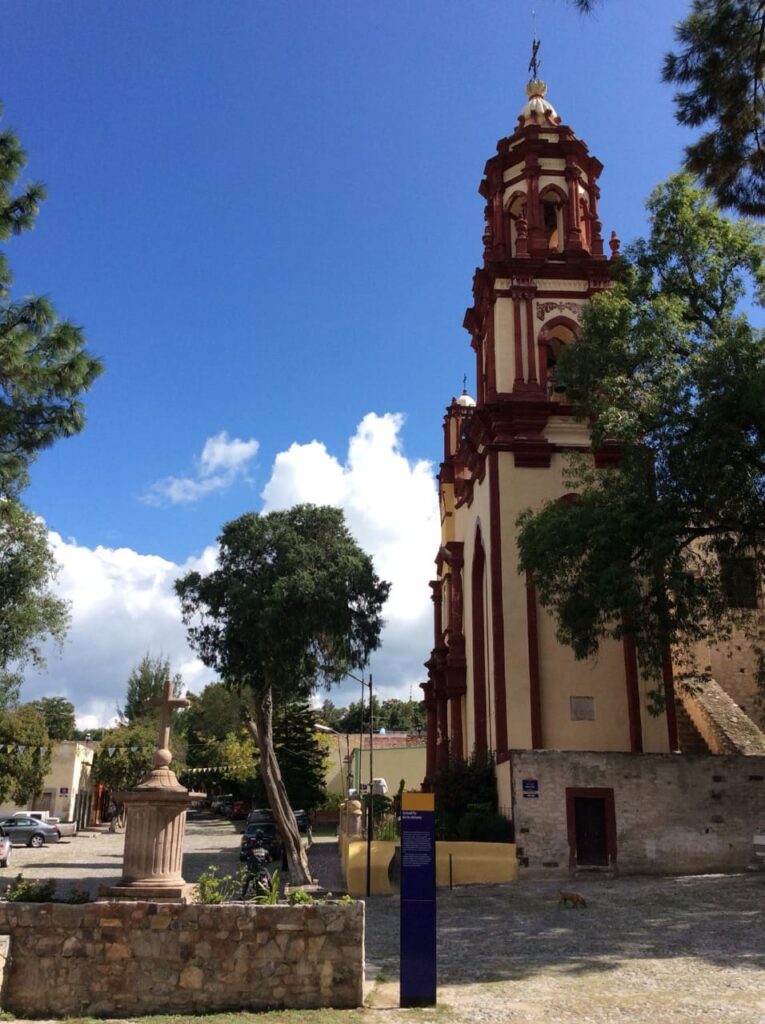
(67, 789)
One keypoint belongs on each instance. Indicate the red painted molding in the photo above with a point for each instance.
(535, 689)
(669, 698)
(478, 577)
(633, 694)
(497, 605)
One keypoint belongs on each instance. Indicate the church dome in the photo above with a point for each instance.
(466, 401)
(538, 108)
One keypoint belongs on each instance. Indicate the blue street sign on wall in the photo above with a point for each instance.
(418, 900)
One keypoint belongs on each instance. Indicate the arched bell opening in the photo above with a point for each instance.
(517, 225)
(553, 338)
(553, 208)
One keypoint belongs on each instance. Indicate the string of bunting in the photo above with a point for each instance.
(22, 748)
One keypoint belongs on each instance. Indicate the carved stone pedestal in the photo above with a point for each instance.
(154, 830)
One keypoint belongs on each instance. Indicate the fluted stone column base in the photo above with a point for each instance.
(154, 830)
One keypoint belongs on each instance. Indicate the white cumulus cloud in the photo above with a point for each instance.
(222, 463)
(123, 603)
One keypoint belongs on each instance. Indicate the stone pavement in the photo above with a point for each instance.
(658, 950)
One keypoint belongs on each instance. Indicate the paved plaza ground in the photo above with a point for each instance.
(653, 950)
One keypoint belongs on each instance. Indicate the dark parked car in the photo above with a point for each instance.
(29, 832)
(261, 827)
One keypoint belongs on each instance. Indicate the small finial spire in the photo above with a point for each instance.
(534, 63)
(464, 383)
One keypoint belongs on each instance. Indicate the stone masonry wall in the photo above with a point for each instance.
(675, 813)
(129, 959)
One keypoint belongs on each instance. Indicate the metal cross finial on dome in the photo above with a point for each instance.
(464, 383)
(534, 64)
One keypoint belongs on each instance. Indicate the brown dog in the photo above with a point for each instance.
(573, 899)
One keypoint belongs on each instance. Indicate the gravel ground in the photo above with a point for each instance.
(644, 950)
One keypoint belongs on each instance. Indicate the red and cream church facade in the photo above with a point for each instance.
(498, 678)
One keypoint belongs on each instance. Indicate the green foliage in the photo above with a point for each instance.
(29, 612)
(44, 366)
(213, 888)
(393, 715)
(484, 827)
(386, 828)
(23, 890)
(299, 897)
(124, 756)
(301, 754)
(78, 895)
(270, 897)
(458, 787)
(294, 602)
(146, 681)
(22, 766)
(58, 713)
(720, 67)
(666, 367)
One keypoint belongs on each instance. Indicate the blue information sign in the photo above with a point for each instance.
(418, 900)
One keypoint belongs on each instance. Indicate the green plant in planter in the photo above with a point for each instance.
(212, 888)
(299, 897)
(23, 890)
(78, 895)
(270, 897)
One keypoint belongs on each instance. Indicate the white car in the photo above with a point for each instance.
(5, 849)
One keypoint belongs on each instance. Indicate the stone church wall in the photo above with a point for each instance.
(130, 959)
(674, 813)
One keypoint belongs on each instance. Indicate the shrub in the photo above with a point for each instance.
(459, 787)
(78, 895)
(23, 890)
(298, 897)
(213, 889)
(483, 827)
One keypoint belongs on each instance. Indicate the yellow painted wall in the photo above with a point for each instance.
(472, 864)
(394, 764)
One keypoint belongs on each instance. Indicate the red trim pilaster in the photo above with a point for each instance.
(633, 694)
(535, 689)
(669, 698)
(497, 606)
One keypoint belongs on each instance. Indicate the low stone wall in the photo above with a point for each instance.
(673, 813)
(129, 959)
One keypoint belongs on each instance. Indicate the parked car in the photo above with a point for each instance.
(239, 810)
(759, 845)
(29, 831)
(5, 849)
(261, 827)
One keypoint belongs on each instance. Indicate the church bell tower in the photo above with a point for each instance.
(497, 677)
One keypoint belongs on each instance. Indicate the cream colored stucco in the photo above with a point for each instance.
(546, 285)
(503, 341)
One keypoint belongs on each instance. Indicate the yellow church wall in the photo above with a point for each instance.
(503, 334)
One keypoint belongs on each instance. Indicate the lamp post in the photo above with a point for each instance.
(370, 808)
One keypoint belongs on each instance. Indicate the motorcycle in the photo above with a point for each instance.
(257, 860)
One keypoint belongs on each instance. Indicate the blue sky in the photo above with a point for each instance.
(266, 218)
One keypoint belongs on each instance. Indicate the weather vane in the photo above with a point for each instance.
(534, 63)
(464, 383)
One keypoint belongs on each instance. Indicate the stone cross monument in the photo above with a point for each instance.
(156, 821)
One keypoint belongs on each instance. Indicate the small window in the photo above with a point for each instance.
(739, 580)
(582, 709)
(550, 210)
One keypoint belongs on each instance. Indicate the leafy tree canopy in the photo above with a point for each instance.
(23, 766)
(146, 681)
(59, 717)
(720, 69)
(125, 755)
(44, 366)
(301, 754)
(29, 612)
(294, 602)
(666, 367)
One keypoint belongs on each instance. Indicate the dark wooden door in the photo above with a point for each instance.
(590, 822)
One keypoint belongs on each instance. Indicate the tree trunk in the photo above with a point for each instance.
(259, 728)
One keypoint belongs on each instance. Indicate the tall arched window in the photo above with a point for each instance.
(553, 221)
(478, 637)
